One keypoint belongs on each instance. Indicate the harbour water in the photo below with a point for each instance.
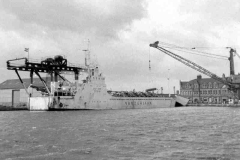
(202, 133)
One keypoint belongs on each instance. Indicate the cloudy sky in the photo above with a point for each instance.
(120, 32)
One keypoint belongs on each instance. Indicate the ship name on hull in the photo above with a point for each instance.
(138, 103)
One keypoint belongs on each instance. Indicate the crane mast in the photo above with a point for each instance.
(194, 66)
(232, 72)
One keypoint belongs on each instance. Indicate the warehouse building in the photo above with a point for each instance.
(205, 90)
(12, 92)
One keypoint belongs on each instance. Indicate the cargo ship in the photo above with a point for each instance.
(91, 93)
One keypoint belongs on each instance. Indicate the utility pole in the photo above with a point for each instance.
(192, 86)
(149, 61)
(168, 84)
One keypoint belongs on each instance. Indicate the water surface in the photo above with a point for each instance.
(204, 133)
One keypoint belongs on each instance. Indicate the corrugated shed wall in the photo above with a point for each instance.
(23, 95)
(6, 98)
(6, 95)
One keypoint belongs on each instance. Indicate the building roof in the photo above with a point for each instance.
(203, 80)
(16, 83)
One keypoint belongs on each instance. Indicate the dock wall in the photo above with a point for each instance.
(39, 103)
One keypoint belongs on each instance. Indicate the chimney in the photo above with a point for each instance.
(199, 77)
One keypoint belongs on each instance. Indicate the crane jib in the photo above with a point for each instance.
(192, 65)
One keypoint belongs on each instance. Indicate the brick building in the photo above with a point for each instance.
(205, 90)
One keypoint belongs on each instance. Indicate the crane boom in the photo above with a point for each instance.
(192, 64)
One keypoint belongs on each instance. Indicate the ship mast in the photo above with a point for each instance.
(87, 54)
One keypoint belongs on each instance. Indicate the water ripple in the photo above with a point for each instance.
(201, 133)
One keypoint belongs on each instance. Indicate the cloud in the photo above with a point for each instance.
(217, 11)
(203, 16)
(60, 27)
(120, 32)
(103, 19)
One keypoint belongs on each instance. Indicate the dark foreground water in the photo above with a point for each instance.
(173, 133)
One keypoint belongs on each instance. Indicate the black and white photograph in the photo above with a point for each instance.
(120, 80)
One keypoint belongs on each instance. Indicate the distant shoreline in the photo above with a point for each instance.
(213, 105)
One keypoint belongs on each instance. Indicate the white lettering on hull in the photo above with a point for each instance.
(138, 103)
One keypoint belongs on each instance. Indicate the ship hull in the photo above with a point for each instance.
(114, 103)
(69, 103)
(141, 102)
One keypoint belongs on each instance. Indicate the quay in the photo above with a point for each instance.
(213, 105)
(10, 108)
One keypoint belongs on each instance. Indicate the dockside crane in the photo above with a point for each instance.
(232, 53)
(233, 83)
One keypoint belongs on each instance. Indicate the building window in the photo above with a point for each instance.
(215, 85)
(219, 91)
(209, 85)
(195, 85)
(210, 92)
(190, 85)
(204, 85)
